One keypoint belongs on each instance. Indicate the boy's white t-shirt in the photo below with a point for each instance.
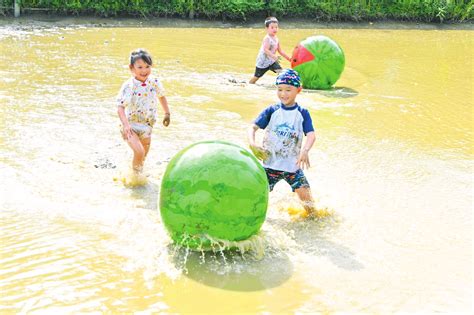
(140, 99)
(284, 130)
(263, 61)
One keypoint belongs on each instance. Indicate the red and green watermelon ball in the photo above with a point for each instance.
(319, 61)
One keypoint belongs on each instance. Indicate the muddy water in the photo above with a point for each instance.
(393, 159)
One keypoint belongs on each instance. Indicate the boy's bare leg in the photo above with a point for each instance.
(253, 80)
(138, 151)
(304, 193)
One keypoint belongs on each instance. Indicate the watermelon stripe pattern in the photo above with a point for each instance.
(324, 67)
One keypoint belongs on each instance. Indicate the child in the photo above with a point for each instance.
(137, 106)
(284, 124)
(267, 58)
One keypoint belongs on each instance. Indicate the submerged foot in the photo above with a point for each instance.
(132, 179)
(298, 214)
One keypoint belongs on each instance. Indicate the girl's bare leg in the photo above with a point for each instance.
(138, 151)
(146, 145)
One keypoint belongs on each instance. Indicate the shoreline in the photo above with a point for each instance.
(47, 20)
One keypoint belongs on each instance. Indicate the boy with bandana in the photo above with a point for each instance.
(282, 152)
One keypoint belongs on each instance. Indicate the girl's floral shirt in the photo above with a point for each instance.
(140, 99)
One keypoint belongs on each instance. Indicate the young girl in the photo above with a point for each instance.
(137, 106)
(267, 58)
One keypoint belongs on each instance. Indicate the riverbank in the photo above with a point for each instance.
(46, 20)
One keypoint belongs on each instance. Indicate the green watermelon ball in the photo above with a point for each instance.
(213, 190)
(319, 61)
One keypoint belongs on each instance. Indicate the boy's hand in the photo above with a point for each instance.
(259, 152)
(303, 160)
(166, 119)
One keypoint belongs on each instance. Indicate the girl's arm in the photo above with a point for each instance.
(258, 151)
(281, 52)
(166, 110)
(303, 160)
(127, 130)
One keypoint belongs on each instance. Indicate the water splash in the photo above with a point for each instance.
(132, 178)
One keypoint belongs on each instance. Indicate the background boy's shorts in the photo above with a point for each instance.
(261, 71)
(295, 180)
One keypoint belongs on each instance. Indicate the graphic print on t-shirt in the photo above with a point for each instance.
(288, 138)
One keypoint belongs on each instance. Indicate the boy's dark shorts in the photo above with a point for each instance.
(261, 71)
(295, 180)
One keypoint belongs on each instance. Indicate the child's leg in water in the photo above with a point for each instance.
(139, 152)
(304, 193)
(146, 145)
(311, 211)
(253, 80)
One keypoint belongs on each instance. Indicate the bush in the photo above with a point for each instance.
(326, 10)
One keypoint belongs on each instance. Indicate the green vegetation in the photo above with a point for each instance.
(319, 10)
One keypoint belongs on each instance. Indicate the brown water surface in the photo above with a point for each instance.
(393, 159)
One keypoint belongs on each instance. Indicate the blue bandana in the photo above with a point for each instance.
(289, 77)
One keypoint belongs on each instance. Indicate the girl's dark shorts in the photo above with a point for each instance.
(295, 180)
(261, 71)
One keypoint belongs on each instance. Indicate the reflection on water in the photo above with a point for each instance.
(336, 92)
(393, 160)
(314, 238)
(235, 271)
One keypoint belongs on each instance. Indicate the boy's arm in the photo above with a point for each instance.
(166, 110)
(258, 151)
(281, 52)
(251, 134)
(303, 160)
